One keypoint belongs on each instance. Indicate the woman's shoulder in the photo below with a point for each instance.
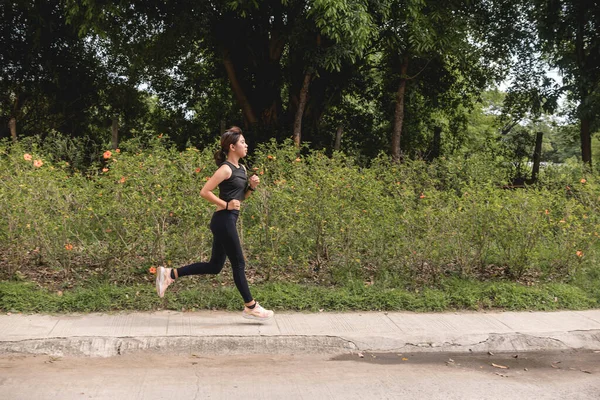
(225, 169)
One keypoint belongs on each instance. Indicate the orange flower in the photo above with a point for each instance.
(152, 270)
(255, 169)
(27, 157)
(197, 170)
(547, 212)
(298, 159)
(583, 180)
(107, 154)
(122, 180)
(579, 253)
(69, 246)
(104, 169)
(562, 221)
(262, 172)
(270, 157)
(161, 135)
(422, 196)
(118, 150)
(38, 163)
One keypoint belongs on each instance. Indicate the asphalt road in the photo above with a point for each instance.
(549, 375)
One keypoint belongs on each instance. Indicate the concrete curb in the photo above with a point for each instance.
(494, 342)
(238, 345)
(173, 345)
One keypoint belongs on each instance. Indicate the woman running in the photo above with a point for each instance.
(234, 187)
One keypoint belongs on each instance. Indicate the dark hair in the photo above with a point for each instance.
(229, 137)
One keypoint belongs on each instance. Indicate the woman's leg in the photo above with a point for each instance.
(166, 276)
(230, 239)
(213, 266)
(233, 248)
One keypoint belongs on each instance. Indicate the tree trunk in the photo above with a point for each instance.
(586, 141)
(537, 156)
(580, 53)
(12, 125)
(298, 120)
(338, 138)
(437, 143)
(238, 91)
(115, 132)
(399, 112)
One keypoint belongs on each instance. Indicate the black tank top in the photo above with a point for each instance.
(233, 188)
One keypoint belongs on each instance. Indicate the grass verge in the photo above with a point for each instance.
(451, 295)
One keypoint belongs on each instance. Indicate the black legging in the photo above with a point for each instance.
(226, 242)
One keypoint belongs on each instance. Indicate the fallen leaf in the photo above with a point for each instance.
(490, 353)
(450, 360)
(587, 372)
(516, 356)
(499, 366)
(361, 355)
(525, 369)
(555, 366)
(404, 359)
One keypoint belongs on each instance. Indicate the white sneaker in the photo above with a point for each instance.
(163, 280)
(257, 313)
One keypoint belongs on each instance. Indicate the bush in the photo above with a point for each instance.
(314, 218)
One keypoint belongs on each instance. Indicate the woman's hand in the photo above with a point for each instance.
(232, 205)
(253, 181)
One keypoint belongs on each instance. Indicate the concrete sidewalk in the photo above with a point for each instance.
(215, 332)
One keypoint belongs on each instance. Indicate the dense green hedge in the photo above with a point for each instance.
(314, 217)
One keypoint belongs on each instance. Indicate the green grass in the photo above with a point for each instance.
(451, 295)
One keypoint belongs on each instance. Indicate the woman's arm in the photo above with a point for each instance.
(224, 172)
(253, 182)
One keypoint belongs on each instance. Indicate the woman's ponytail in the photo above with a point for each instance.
(220, 157)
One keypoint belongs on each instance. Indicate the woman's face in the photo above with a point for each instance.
(240, 148)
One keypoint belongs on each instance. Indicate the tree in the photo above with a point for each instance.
(438, 40)
(262, 48)
(342, 30)
(569, 34)
(49, 76)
